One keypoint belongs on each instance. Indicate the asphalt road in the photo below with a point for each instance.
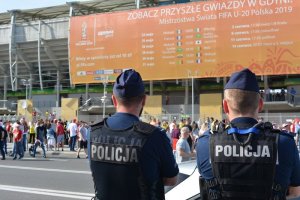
(60, 176)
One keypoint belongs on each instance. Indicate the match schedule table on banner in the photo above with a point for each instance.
(176, 47)
(259, 35)
(214, 38)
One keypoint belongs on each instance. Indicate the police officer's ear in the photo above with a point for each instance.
(225, 106)
(114, 100)
(260, 105)
(144, 100)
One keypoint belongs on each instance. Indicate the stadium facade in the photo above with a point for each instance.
(34, 66)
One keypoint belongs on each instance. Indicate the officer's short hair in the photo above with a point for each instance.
(131, 101)
(242, 101)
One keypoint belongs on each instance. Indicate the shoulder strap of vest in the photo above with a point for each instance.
(287, 134)
(268, 130)
(144, 128)
(259, 128)
(277, 191)
(98, 125)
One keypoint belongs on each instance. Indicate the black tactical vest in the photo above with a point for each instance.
(115, 163)
(243, 162)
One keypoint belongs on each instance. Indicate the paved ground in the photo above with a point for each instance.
(60, 176)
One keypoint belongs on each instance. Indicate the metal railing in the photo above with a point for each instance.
(10, 106)
(274, 97)
(95, 101)
(279, 118)
(9, 117)
(90, 118)
(293, 100)
(42, 104)
(175, 104)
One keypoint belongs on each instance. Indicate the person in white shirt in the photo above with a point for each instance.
(268, 95)
(172, 125)
(73, 130)
(82, 139)
(183, 150)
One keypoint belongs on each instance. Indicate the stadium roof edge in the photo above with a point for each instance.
(80, 8)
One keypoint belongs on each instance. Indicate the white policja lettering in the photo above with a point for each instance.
(114, 154)
(235, 151)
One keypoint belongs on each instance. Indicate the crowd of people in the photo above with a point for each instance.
(184, 131)
(49, 135)
(278, 94)
(53, 135)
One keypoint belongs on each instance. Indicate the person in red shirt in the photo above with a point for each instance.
(18, 142)
(9, 130)
(60, 132)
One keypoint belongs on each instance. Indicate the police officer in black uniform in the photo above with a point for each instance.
(129, 159)
(247, 160)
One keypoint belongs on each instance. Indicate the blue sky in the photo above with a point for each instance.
(29, 4)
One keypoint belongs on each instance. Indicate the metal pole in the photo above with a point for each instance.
(39, 56)
(151, 88)
(137, 4)
(192, 98)
(104, 98)
(86, 91)
(71, 13)
(57, 89)
(5, 91)
(26, 86)
(16, 73)
(186, 92)
(12, 51)
(30, 86)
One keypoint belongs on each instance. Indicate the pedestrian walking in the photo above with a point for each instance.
(31, 132)
(9, 130)
(24, 128)
(50, 137)
(18, 142)
(60, 135)
(39, 140)
(82, 138)
(293, 93)
(73, 130)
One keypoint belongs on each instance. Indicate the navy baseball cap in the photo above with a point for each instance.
(243, 80)
(129, 84)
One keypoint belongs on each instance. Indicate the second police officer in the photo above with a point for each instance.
(249, 160)
(129, 159)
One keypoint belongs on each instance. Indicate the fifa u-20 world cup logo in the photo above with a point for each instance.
(84, 31)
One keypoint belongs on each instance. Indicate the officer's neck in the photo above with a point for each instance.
(234, 116)
(130, 110)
